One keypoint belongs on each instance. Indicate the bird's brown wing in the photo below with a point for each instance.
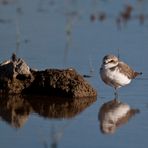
(124, 68)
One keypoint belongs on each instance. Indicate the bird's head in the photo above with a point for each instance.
(110, 61)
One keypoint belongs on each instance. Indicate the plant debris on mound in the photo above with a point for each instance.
(16, 77)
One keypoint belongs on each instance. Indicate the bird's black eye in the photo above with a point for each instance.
(111, 61)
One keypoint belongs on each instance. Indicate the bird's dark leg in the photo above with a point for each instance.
(116, 93)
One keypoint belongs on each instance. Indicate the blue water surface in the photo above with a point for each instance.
(69, 33)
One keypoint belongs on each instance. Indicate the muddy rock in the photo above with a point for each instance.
(66, 83)
(17, 77)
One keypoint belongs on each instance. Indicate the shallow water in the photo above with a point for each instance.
(68, 33)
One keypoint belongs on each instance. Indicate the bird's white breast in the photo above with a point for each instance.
(115, 76)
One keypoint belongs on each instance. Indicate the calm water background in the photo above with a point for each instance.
(67, 33)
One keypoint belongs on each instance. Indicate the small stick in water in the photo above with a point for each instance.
(13, 57)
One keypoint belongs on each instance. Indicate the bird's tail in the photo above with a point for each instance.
(137, 74)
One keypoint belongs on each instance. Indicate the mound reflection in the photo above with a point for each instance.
(56, 107)
(16, 109)
(113, 114)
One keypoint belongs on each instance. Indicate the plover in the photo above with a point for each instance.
(116, 73)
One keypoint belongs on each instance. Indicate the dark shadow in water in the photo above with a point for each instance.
(15, 109)
(113, 114)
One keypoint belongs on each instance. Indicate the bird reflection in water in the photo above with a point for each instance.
(113, 114)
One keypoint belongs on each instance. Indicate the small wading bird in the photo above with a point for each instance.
(116, 73)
